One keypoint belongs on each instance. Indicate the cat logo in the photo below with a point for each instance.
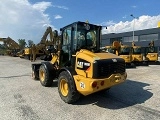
(80, 64)
(114, 60)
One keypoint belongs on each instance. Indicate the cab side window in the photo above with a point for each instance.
(66, 45)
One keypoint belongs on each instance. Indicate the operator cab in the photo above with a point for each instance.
(125, 50)
(110, 49)
(77, 36)
(80, 35)
(136, 50)
(152, 49)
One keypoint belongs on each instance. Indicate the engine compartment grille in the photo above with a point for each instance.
(105, 68)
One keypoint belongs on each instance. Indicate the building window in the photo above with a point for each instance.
(130, 39)
(104, 42)
(149, 37)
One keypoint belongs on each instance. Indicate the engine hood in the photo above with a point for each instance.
(94, 65)
(106, 55)
(97, 56)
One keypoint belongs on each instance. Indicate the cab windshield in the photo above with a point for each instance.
(80, 35)
(151, 49)
(86, 36)
(136, 50)
(125, 51)
(110, 50)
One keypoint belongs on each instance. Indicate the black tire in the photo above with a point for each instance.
(133, 65)
(72, 94)
(146, 63)
(44, 77)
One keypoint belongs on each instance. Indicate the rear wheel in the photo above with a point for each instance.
(34, 75)
(44, 77)
(67, 88)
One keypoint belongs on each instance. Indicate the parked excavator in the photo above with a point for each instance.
(78, 64)
(12, 47)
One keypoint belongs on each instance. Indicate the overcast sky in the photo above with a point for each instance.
(28, 19)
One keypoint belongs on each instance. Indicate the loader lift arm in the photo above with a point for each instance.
(40, 50)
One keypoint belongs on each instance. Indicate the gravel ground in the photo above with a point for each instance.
(22, 98)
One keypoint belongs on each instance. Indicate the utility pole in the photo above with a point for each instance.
(133, 23)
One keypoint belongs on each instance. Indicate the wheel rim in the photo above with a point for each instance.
(42, 75)
(64, 87)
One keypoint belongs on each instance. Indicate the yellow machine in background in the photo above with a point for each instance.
(124, 51)
(151, 54)
(40, 50)
(79, 65)
(110, 49)
(25, 53)
(137, 56)
(12, 47)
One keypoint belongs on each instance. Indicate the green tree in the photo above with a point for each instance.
(1, 46)
(2, 49)
(22, 43)
(30, 43)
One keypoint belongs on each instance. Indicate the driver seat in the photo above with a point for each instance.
(87, 43)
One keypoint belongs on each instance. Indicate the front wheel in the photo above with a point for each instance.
(67, 88)
(44, 77)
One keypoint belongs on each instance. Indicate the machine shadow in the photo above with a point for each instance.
(124, 95)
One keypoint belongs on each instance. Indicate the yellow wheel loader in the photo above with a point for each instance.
(110, 49)
(79, 65)
(137, 56)
(124, 51)
(152, 55)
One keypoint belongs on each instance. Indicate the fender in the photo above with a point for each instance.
(70, 71)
